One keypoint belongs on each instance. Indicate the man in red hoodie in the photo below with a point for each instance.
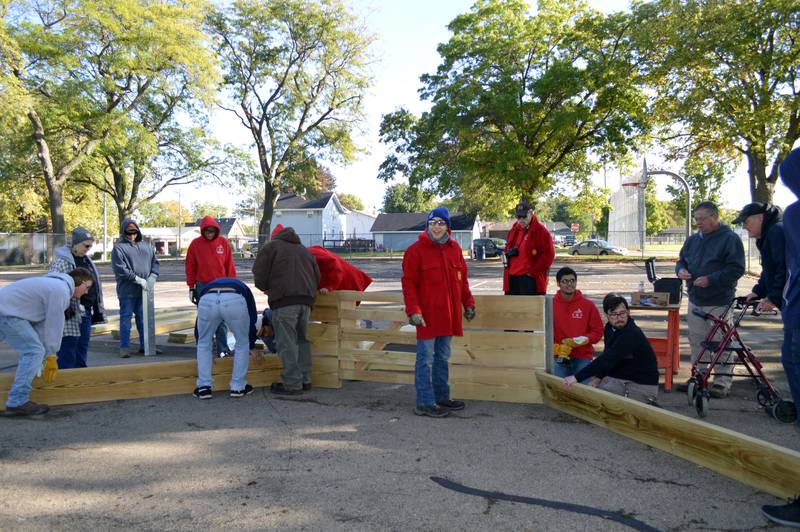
(577, 326)
(209, 258)
(528, 255)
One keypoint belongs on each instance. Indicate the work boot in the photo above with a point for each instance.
(141, 350)
(124, 352)
(451, 404)
(431, 411)
(278, 388)
(27, 409)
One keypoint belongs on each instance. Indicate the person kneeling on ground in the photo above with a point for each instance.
(628, 364)
(32, 321)
(230, 301)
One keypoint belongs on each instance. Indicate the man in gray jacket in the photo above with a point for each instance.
(133, 262)
(31, 321)
(711, 262)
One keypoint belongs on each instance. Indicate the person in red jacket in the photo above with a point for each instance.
(435, 288)
(338, 274)
(210, 258)
(528, 255)
(577, 326)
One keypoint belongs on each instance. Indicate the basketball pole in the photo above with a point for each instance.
(685, 184)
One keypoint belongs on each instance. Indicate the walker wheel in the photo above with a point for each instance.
(691, 391)
(784, 411)
(765, 398)
(701, 404)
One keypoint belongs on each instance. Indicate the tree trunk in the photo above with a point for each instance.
(55, 188)
(760, 187)
(270, 198)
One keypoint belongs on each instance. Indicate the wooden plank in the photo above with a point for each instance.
(185, 336)
(754, 462)
(366, 313)
(135, 381)
(113, 322)
(325, 314)
(161, 328)
(508, 312)
(379, 335)
(350, 295)
(377, 376)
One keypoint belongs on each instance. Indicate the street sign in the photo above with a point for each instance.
(575, 228)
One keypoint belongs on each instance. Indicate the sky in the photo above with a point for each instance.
(407, 32)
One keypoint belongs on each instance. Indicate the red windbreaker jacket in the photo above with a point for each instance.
(538, 247)
(207, 260)
(577, 317)
(435, 285)
(338, 274)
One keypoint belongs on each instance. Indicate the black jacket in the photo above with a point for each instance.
(720, 256)
(287, 271)
(772, 246)
(628, 355)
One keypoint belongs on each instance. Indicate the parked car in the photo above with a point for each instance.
(492, 246)
(250, 249)
(569, 240)
(596, 247)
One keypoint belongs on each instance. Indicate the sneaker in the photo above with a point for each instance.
(718, 391)
(203, 392)
(786, 515)
(306, 386)
(226, 353)
(451, 404)
(279, 389)
(27, 409)
(124, 352)
(431, 411)
(241, 393)
(141, 351)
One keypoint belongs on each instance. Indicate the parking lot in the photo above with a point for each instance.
(358, 459)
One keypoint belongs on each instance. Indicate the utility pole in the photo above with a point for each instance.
(180, 223)
(105, 226)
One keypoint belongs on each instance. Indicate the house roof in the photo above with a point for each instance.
(415, 222)
(295, 201)
(225, 225)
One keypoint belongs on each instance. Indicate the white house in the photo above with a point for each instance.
(321, 218)
(397, 231)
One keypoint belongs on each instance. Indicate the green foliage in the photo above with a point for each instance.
(200, 209)
(519, 101)
(351, 201)
(727, 76)
(403, 198)
(296, 71)
(162, 214)
(706, 175)
(658, 212)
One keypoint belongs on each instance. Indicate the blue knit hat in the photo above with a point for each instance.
(790, 171)
(440, 212)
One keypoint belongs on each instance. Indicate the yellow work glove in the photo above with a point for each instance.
(576, 342)
(562, 350)
(50, 368)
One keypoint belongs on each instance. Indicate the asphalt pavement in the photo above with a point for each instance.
(358, 459)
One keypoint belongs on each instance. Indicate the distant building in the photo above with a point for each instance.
(322, 218)
(397, 231)
(230, 228)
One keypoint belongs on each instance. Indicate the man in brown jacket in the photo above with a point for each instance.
(287, 272)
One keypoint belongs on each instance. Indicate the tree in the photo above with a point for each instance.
(588, 206)
(727, 76)
(403, 198)
(519, 101)
(658, 211)
(200, 209)
(296, 72)
(162, 214)
(351, 201)
(706, 176)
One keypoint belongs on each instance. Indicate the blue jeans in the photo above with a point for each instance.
(215, 308)
(291, 325)
(22, 337)
(790, 357)
(571, 367)
(222, 331)
(129, 306)
(431, 373)
(75, 349)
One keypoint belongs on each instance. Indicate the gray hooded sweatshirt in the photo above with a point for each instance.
(41, 301)
(130, 260)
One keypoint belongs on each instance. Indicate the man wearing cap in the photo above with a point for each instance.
(711, 262)
(789, 514)
(134, 262)
(82, 313)
(435, 289)
(528, 255)
(764, 222)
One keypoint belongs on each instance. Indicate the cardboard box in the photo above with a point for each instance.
(650, 299)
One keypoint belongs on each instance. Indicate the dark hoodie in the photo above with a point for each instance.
(718, 255)
(790, 174)
(287, 271)
(772, 246)
(130, 260)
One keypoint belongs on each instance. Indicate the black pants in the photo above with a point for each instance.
(522, 285)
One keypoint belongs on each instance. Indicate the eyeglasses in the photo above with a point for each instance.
(87, 246)
(522, 217)
(440, 223)
(568, 281)
(131, 232)
(620, 314)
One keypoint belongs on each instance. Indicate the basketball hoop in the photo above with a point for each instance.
(636, 184)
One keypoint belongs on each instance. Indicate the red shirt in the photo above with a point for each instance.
(577, 317)
(208, 260)
(536, 252)
(435, 285)
(338, 274)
